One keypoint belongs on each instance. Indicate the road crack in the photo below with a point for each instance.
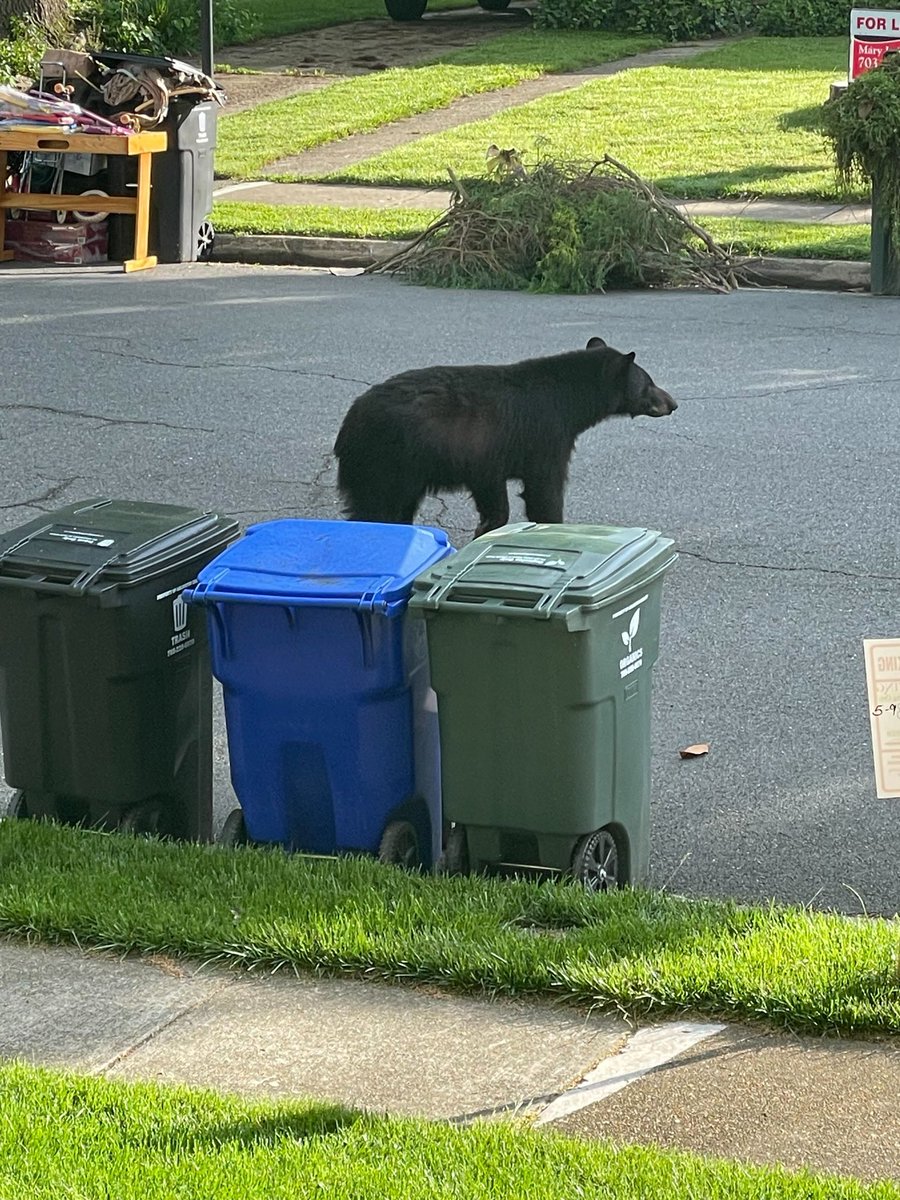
(87, 416)
(183, 366)
(815, 570)
(50, 493)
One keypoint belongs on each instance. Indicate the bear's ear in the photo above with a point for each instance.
(596, 344)
(630, 356)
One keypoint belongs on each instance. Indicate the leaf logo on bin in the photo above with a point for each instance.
(629, 634)
(633, 657)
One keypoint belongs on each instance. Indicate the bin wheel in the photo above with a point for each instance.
(234, 831)
(206, 241)
(456, 852)
(18, 808)
(400, 845)
(596, 861)
(143, 819)
(405, 10)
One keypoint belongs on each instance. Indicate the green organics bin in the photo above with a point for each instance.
(105, 680)
(542, 641)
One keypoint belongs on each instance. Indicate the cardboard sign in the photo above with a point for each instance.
(883, 684)
(872, 33)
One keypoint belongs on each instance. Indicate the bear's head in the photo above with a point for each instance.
(639, 395)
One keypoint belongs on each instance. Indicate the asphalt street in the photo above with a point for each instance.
(224, 387)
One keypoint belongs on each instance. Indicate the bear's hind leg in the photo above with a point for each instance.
(492, 501)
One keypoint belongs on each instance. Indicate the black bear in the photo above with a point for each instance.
(475, 427)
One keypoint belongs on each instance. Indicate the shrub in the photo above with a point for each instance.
(803, 18)
(863, 125)
(155, 27)
(21, 54)
(682, 20)
(677, 20)
(572, 14)
(159, 26)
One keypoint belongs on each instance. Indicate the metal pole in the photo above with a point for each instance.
(206, 36)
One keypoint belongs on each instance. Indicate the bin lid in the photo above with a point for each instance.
(104, 542)
(541, 571)
(345, 564)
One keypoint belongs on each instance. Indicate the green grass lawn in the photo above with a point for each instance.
(637, 951)
(68, 1136)
(315, 220)
(248, 140)
(286, 16)
(848, 242)
(851, 242)
(739, 121)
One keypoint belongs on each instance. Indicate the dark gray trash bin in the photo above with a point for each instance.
(105, 681)
(182, 177)
(183, 183)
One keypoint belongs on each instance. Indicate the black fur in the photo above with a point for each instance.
(476, 427)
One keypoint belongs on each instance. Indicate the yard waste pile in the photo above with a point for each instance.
(560, 226)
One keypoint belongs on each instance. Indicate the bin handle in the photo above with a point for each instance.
(548, 602)
(437, 592)
(39, 583)
(24, 541)
(543, 608)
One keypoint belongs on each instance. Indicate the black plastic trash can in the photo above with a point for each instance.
(105, 680)
(183, 183)
(181, 176)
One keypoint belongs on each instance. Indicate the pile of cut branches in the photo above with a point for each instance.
(562, 227)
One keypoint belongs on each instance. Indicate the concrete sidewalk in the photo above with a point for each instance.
(726, 1091)
(426, 199)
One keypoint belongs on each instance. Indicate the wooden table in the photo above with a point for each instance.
(47, 141)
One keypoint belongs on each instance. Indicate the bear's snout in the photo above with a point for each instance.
(661, 404)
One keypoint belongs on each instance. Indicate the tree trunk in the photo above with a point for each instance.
(50, 14)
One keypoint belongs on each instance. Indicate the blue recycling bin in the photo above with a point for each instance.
(331, 719)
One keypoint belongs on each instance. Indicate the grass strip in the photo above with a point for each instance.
(249, 140)
(316, 220)
(66, 1135)
(787, 240)
(851, 243)
(284, 16)
(740, 122)
(638, 951)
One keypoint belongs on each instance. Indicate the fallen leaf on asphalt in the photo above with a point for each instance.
(695, 751)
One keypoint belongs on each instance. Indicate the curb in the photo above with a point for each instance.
(275, 250)
(822, 274)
